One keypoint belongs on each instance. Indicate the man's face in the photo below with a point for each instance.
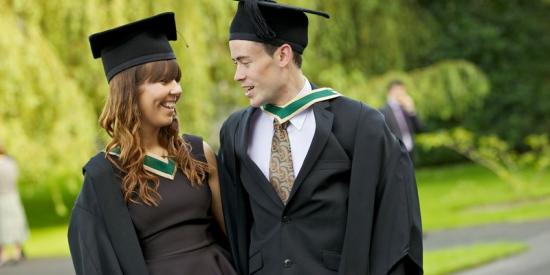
(397, 92)
(256, 71)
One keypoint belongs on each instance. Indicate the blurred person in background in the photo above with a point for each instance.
(13, 222)
(150, 204)
(400, 115)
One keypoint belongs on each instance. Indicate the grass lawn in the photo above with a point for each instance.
(465, 195)
(48, 237)
(48, 242)
(450, 260)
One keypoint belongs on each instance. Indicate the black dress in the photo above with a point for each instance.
(177, 237)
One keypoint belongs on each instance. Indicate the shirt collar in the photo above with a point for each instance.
(394, 104)
(299, 119)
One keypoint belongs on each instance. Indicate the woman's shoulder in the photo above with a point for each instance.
(97, 183)
(197, 145)
(192, 138)
(98, 165)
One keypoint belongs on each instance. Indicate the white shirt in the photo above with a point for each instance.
(300, 132)
(402, 124)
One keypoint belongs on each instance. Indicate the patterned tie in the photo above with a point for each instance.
(281, 172)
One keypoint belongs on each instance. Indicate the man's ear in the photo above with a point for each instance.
(284, 55)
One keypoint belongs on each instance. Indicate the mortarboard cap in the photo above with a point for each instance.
(269, 22)
(135, 43)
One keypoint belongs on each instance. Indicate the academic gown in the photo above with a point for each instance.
(380, 232)
(102, 238)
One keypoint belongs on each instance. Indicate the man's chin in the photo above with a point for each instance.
(255, 103)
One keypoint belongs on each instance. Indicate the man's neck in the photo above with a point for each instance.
(291, 88)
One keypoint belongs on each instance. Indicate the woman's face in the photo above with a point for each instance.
(157, 103)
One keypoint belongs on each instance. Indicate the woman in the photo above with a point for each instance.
(151, 203)
(13, 223)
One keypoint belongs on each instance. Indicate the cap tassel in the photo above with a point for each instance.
(263, 30)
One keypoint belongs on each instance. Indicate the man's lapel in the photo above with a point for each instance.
(251, 167)
(241, 140)
(323, 120)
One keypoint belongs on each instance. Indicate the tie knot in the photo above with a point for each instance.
(278, 125)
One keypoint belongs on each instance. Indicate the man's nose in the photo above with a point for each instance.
(239, 74)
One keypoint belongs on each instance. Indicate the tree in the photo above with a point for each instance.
(44, 120)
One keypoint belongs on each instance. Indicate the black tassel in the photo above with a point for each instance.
(262, 29)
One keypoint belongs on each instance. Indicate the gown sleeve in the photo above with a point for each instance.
(235, 202)
(383, 232)
(91, 249)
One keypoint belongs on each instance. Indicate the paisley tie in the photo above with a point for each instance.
(281, 172)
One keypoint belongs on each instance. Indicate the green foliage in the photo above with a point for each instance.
(495, 154)
(449, 90)
(66, 23)
(538, 155)
(507, 40)
(445, 92)
(45, 122)
(370, 36)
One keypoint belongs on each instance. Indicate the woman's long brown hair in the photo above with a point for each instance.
(121, 118)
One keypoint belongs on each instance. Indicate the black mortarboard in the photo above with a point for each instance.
(135, 43)
(269, 22)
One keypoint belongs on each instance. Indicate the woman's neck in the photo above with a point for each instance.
(150, 141)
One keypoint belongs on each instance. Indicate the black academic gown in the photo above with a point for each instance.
(353, 208)
(102, 238)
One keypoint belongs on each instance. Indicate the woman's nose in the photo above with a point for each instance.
(175, 89)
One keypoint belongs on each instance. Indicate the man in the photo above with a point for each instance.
(313, 183)
(400, 114)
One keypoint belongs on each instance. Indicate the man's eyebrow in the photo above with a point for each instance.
(240, 58)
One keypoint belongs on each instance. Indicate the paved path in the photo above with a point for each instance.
(486, 233)
(62, 266)
(536, 261)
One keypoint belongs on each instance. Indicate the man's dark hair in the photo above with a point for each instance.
(270, 49)
(394, 83)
